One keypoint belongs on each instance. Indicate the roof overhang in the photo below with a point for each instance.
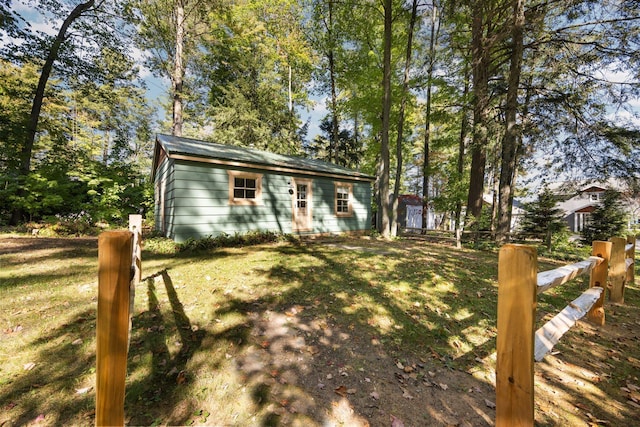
(161, 152)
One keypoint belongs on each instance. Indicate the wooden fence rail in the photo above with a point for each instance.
(518, 345)
(118, 267)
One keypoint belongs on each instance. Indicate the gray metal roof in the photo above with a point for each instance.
(176, 146)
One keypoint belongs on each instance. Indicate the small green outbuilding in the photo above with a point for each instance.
(206, 189)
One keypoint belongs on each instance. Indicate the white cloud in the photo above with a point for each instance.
(49, 28)
(615, 73)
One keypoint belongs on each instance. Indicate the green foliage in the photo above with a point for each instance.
(542, 218)
(345, 151)
(607, 220)
(159, 245)
(228, 240)
(563, 247)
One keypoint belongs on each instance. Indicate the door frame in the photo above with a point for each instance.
(302, 222)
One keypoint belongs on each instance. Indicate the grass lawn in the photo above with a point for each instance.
(333, 331)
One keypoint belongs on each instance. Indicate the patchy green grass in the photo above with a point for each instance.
(322, 332)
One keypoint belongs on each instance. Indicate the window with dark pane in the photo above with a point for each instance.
(342, 195)
(244, 188)
(302, 196)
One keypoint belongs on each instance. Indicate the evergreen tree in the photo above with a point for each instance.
(345, 151)
(607, 220)
(542, 217)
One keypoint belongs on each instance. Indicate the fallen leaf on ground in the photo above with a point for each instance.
(489, 404)
(396, 422)
(77, 342)
(341, 391)
(83, 390)
(181, 378)
(406, 394)
(28, 366)
(375, 395)
(443, 386)
(400, 365)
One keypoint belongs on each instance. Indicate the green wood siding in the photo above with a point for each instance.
(197, 203)
(165, 197)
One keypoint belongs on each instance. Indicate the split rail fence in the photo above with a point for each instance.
(518, 344)
(119, 270)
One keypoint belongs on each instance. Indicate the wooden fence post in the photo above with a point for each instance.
(617, 270)
(599, 277)
(517, 290)
(631, 253)
(114, 276)
(135, 226)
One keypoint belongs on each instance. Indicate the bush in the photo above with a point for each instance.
(227, 240)
(159, 245)
(79, 224)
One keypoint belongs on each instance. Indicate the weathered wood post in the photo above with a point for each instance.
(631, 254)
(517, 290)
(135, 226)
(599, 277)
(617, 269)
(112, 333)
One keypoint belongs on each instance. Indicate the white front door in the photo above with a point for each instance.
(302, 206)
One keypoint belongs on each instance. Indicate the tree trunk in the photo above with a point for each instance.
(510, 140)
(178, 70)
(427, 119)
(461, 149)
(290, 89)
(480, 70)
(403, 102)
(36, 106)
(335, 125)
(386, 116)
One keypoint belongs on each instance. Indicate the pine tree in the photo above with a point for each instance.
(542, 217)
(607, 220)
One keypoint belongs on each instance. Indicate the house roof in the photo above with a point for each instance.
(208, 152)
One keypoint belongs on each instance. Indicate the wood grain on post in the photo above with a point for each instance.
(135, 226)
(114, 276)
(599, 277)
(631, 275)
(517, 283)
(617, 269)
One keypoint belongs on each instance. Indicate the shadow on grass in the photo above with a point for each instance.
(323, 333)
(57, 371)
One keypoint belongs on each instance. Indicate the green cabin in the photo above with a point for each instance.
(206, 189)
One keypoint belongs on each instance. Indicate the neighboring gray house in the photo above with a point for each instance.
(206, 189)
(579, 199)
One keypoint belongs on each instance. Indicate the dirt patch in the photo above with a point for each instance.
(352, 380)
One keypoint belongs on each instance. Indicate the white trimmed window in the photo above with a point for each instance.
(343, 199)
(245, 188)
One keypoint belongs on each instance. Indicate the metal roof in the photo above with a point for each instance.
(197, 150)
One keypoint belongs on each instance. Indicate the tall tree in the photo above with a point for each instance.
(431, 61)
(404, 94)
(384, 210)
(511, 133)
(168, 31)
(481, 61)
